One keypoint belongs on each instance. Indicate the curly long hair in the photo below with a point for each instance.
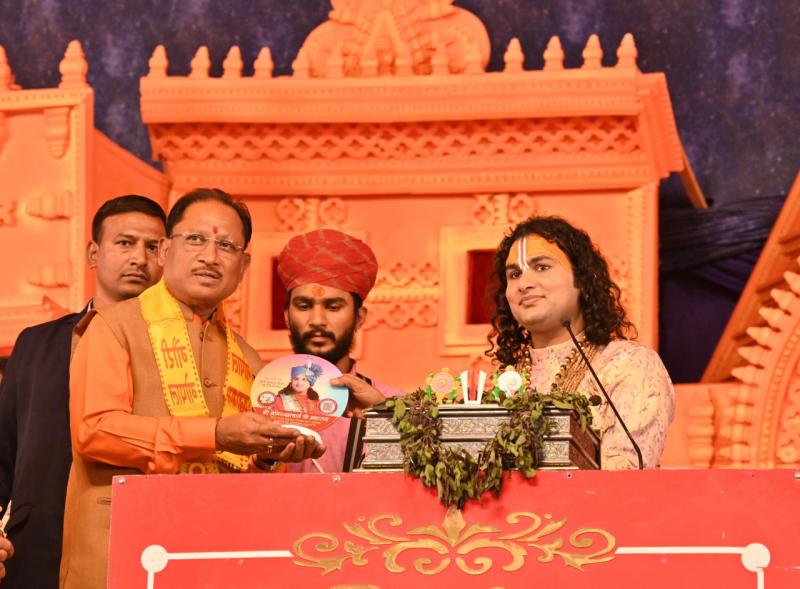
(599, 297)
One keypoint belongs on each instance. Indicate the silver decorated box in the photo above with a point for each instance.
(470, 427)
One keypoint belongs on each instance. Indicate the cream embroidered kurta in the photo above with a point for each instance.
(638, 384)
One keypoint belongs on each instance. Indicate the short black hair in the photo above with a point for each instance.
(128, 203)
(200, 194)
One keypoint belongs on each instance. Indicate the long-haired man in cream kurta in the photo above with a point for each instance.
(549, 273)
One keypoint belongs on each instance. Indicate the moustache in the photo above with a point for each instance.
(306, 337)
(214, 273)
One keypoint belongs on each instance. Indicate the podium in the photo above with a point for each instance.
(683, 528)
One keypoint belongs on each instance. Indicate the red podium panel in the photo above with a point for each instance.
(704, 528)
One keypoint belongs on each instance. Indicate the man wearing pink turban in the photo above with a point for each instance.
(328, 275)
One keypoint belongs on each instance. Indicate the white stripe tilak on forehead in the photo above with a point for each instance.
(540, 248)
(522, 253)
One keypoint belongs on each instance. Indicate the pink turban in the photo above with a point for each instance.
(330, 258)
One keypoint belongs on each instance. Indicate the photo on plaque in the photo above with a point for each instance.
(296, 390)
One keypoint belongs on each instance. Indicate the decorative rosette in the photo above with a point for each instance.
(442, 386)
(504, 384)
(446, 388)
(510, 381)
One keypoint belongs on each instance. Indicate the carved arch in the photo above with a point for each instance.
(758, 421)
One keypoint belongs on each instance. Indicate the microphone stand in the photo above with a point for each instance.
(566, 323)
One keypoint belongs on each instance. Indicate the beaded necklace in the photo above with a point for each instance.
(572, 370)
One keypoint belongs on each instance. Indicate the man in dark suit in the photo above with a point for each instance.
(35, 452)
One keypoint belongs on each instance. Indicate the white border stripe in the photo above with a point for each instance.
(235, 554)
(754, 557)
(679, 550)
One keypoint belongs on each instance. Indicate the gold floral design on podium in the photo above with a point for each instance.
(451, 543)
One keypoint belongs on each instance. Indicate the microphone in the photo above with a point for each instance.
(594, 399)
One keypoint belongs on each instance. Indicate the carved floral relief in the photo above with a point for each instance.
(474, 549)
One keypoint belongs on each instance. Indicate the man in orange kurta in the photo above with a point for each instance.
(160, 383)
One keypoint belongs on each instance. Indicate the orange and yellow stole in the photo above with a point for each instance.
(180, 380)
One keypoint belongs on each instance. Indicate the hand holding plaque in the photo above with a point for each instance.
(296, 390)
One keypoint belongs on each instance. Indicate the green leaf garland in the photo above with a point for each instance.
(456, 475)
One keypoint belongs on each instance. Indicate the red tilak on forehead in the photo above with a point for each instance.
(317, 291)
(215, 230)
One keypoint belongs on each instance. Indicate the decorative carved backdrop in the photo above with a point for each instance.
(56, 170)
(390, 128)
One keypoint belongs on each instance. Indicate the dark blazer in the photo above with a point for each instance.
(35, 451)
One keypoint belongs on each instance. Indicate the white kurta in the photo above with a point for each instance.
(638, 384)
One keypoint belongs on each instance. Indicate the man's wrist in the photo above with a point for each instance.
(216, 434)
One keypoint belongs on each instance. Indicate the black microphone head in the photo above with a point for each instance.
(566, 322)
(595, 400)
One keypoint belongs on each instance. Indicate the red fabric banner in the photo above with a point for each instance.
(710, 528)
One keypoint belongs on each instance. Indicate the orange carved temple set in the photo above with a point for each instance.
(57, 169)
(390, 128)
